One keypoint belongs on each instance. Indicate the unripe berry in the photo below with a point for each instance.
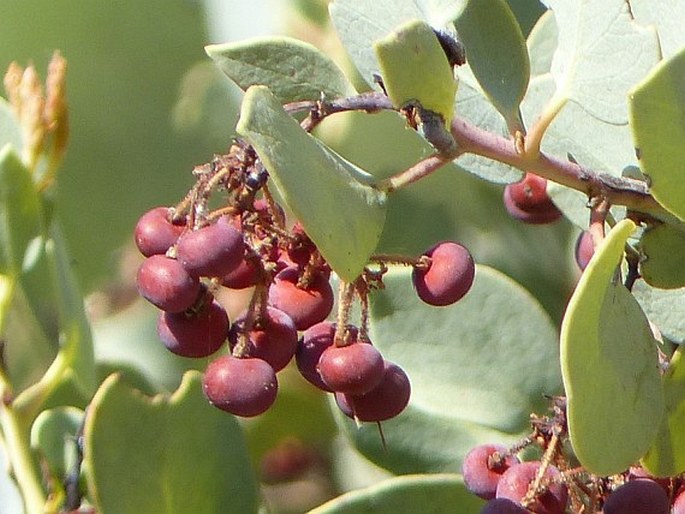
(244, 387)
(448, 277)
(211, 251)
(194, 334)
(166, 284)
(154, 233)
(515, 482)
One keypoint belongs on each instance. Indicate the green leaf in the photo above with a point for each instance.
(497, 54)
(412, 493)
(466, 365)
(292, 69)
(361, 22)
(53, 436)
(664, 307)
(666, 457)
(414, 67)
(343, 216)
(667, 16)
(542, 43)
(602, 53)
(174, 454)
(609, 365)
(662, 251)
(657, 110)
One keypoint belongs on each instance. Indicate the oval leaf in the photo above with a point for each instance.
(657, 110)
(609, 365)
(661, 264)
(664, 307)
(411, 493)
(343, 216)
(292, 69)
(414, 67)
(666, 457)
(174, 454)
(497, 54)
(54, 435)
(467, 365)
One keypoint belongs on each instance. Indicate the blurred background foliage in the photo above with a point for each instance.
(146, 105)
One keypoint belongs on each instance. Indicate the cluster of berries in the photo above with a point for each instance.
(191, 251)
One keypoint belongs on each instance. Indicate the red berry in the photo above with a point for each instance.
(244, 276)
(154, 233)
(385, 401)
(191, 334)
(211, 251)
(515, 482)
(353, 369)
(448, 277)
(312, 344)
(165, 283)
(529, 202)
(306, 306)
(584, 249)
(483, 466)
(273, 337)
(679, 502)
(640, 496)
(244, 387)
(503, 506)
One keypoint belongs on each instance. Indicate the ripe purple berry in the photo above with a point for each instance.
(503, 506)
(273, 337)
(306, 306)
(166, 284)
(385, 401)
(154, 233)
(448, 277)
(243, 387)
(529, 202)
(483, 466)
(640, 496)
(211, 251)
(584, 249)
(194, 334)
(353, 369)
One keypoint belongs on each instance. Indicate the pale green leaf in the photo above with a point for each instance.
(542, 43)
(497, 54)
(342, 215)
(657, 110)
(411, 51)
(167, 454)
(602, 53)
(427, 494)
(466, 363)
(54, 436)
(292, 69)
(667, 16)
(609, 365)
(361, 22)
(662, 250)
(664, 307)
(666, 457)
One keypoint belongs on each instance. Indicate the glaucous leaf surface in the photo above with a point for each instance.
(172, 454)
(10, 497)
(657, 108)
(666, 457)
(664, 307)
(497, 54)
(292, 69)
(342, 215)
(662, 249)
(53, 436)
(361, 22)
(667, 16)
(542, 43)
(467, 366)
(411, 493)
(601, 54)
(609, 365)
(412, 50)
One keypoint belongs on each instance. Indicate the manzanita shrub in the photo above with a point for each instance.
(442, 371)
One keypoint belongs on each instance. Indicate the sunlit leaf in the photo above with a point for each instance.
(342, 215)
(667, 16)
(609, 365)
(542, 43)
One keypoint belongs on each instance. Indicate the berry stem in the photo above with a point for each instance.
(397, 259)
(536, 486)
(421, 169)
(345, 297)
